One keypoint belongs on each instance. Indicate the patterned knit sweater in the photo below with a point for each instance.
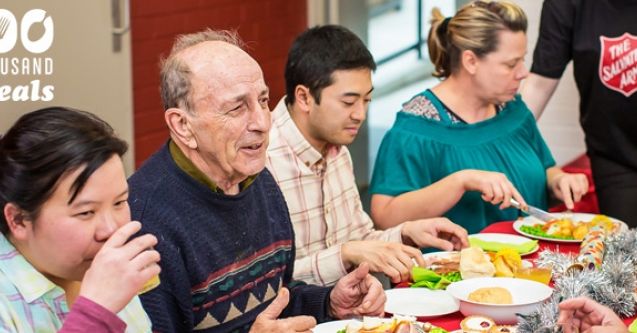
(223, 258)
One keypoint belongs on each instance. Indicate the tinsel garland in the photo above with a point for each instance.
(613, 285)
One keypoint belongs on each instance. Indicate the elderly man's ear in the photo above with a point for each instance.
(180, 128)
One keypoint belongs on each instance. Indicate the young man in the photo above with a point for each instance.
(328, 86)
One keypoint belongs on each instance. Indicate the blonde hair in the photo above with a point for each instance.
(175, 85)
(475, 27)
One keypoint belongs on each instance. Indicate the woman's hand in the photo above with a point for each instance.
(120, 268)
(495, 187)
(568, 187)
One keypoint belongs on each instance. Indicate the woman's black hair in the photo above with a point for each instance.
(42, 147)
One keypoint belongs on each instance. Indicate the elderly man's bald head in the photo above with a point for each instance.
(176, 72)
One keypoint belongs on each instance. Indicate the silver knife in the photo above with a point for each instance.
(534, 211)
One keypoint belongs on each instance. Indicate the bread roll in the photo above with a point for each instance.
(491, 295)
(475, 263)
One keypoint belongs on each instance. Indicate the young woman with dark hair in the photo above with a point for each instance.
(68, 261)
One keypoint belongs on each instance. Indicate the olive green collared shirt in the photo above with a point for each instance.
(190, 169)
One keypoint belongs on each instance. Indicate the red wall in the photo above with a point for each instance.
(268, 26)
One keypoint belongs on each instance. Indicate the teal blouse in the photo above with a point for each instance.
(417, 152)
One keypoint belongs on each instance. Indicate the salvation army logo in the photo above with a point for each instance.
(9, 31)
(618, 63)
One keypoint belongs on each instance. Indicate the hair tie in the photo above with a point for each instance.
(445, 25)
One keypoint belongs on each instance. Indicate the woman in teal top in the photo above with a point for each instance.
(470, 143)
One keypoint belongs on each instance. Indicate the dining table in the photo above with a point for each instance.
(452, 321)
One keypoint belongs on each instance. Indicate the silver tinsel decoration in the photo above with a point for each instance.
(614, 285)
(558, 261)
(543, 320)
(622, 245)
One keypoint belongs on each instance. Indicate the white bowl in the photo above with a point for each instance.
(527, 295)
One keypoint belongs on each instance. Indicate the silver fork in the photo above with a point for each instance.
(4, 26)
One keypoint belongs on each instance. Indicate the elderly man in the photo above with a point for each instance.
(223, 226)
(329, 87)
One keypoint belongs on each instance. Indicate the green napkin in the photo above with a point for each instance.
(497, 246)
(427, 278)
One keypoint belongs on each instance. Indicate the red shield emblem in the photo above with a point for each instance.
(618, 63)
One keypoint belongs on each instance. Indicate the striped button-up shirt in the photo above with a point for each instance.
(29, 302)
(324, 204)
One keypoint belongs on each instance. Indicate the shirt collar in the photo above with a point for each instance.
(295, 139)
(189, 168)
(30, 283)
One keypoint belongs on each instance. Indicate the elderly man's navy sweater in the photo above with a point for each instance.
(223, 258)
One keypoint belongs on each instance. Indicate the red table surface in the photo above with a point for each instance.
(452, 321)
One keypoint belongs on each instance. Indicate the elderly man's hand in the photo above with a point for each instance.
(584, 315)
(436, 232)
(357, 294)
(268, 322)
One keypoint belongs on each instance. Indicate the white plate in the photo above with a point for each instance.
(331, 326)
(457, 331)
(420, 302)
(505, 238)
(436, 256)
(449, 254)
(335, 326)
(531, 221)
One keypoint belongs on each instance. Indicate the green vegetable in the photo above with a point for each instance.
(633, 327)
(341, 331)
(427, 278)
(537, 231)
(438, 330)
(423, 274)
(453, 276)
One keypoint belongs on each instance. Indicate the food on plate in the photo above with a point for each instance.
(580, 231)
(491, 295)
(397, 324)
(475, 263)
(503, 329)
(423, 277)
(566, 228)
(441, 269)
(506, 262)
(561, 227)
(448, 263)
(477, 324)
